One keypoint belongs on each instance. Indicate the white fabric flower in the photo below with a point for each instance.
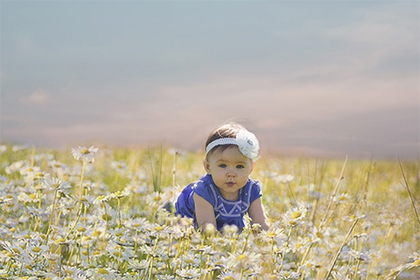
(246, 141)
(248, 144)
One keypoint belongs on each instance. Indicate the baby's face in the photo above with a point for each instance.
(230, 170)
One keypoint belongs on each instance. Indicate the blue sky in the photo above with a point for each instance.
(316, 78)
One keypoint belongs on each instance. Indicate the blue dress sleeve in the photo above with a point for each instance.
(256, 191)
(184, 205)
(206, 191)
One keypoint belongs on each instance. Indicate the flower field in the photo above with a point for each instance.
(91, 213)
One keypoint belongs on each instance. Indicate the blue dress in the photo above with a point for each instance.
(225, 211)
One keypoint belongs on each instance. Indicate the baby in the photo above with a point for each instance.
(226, 193)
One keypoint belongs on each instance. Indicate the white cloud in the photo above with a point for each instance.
(390, 31)
(38, 97)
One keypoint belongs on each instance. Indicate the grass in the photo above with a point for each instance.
(330, 219)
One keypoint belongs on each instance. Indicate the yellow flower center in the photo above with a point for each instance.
(36, 249)
(296, 215)
(241, 257)
(103, 271)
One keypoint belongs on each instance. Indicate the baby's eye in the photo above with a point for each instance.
(240, 166)
(222, 165)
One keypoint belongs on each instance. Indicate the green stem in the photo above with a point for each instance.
(337, 254)
(119, 211)
(357, 269)
(330, 203)
(272, 257)
(40, 199)
(409, 193)
(82, 174)
(85, 192)
(246, 240)
(285, 248)
(75, 222)
(149, 276)
(303, 261)
(51, 216)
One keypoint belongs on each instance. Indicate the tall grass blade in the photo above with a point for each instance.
(409, 192)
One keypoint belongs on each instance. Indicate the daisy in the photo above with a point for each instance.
(119, 166)
(3, 148)
(57, 184)
(84, 154)
(138, 265)
(284, 179)
(192, 273)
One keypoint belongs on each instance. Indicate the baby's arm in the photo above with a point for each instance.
(256, 213)
(204, 212)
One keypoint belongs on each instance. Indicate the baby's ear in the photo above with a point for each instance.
(206, 165)
(252, 167)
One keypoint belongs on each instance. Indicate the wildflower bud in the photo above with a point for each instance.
(256, 227)
(81, 229)
(119, 194)
(230, 229)
(86, 238)
(106, 217)
(59, 240)
(271, 234)
(159, 228)
(209, 229)
(117, 254)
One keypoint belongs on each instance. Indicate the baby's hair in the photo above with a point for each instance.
(227, 130)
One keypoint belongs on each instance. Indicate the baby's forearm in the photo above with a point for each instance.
(260, 225)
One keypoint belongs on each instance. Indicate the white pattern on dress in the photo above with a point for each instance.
(239, 207)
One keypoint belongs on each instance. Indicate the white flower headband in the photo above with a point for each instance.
(246, 141)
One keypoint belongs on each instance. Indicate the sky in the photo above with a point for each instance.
(309, 78)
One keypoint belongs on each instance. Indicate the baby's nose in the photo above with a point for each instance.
(231, 173)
